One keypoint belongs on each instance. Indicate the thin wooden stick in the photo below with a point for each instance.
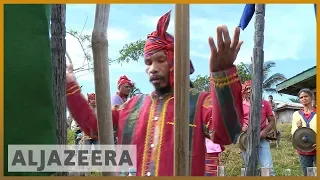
(101, 75)
(181, 90)
(69, 58)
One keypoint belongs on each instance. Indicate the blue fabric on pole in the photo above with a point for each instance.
(247, 15)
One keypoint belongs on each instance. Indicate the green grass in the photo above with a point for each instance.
(285, 157)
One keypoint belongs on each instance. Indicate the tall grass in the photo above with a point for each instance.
(284, 157)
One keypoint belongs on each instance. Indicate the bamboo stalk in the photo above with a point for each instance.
(101, 76)
(181, 90)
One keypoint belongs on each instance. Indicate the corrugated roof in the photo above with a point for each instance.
(290, 105)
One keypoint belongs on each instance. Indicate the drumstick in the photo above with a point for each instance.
(69, 58)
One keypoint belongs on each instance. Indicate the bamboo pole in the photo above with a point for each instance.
(101, 76)
(256, 93)
(181, 90)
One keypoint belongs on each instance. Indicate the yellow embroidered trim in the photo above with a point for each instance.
(163, 115)
(72, 87)
(217, 79)
(75, 91)
(226, 83)
(172, 123)
(146, 142)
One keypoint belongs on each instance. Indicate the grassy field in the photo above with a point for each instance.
(285, 157)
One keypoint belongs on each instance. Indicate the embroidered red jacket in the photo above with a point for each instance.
(148, 122)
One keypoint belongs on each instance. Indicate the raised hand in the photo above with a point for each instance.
(223, 57)
(70, 77)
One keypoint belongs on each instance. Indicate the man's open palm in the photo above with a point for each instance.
(223, 57)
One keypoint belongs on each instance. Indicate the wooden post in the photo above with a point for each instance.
(221, 171)
(101, 76)
(256, 93)
(265, 171)
(243, 172)
(311, 171)
(181, 90)
(58, 48)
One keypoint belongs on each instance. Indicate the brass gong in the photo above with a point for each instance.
(303, 139)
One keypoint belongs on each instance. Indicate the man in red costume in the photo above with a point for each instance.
(124, 87)
(147, 120)
(87, 139)
(267, 124)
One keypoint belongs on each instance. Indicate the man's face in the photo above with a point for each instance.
(92, 102)
(125, 89)
(248, 93)
(157, 68)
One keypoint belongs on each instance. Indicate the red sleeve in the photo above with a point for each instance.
(227, 108)
(245, 116)
(81, 111)
(268, 108)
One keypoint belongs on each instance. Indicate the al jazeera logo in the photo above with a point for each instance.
(71, 158)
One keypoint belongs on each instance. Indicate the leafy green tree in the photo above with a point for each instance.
(269, 82)
(202, 83)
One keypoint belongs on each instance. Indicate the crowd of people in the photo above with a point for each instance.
(217, 118)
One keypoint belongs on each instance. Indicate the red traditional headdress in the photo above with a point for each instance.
(91, 97)
(245, 86)
(161, 40)
(124, 79)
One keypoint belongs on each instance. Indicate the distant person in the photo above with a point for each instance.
(124, 87)
(265, 157)
(272, 103)
(88, 140)
(305, 117)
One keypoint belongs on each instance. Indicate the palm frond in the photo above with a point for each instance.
(273, 80)
(270, 90)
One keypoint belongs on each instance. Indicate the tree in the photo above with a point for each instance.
(202, 83)
(269, 82)
(132, 51)
(243, 72)
(58, 44)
